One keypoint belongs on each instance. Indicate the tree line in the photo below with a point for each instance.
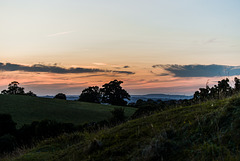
(219, 91)
(222, 90)
(111, 93)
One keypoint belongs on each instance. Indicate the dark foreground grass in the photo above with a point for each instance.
(26, 109)
(205, 132)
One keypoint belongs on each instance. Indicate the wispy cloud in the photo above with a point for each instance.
(101, 64)
(55, 69)
(60, 33)
(213, 40)
(199, 70)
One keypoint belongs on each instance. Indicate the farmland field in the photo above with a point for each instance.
(25, 109)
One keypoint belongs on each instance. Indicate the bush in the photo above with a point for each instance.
(61, 96)
(118, 115)
(7, 126)
(7, 143)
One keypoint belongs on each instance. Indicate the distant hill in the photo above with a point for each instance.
(25, 109)
(134, 98)
(155, 97)
(69, 97)
(207, 131)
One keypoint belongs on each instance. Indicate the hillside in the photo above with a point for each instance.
(208, 131)
(25, 109)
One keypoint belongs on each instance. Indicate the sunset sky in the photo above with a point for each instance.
(153, 46)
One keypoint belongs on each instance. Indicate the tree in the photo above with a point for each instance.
(114, 94)
(30, 93)
(61, 96)
(225, 89)
(13, 88)
(237, 84)
(196, 97)
(204, 93)
(214, 92)
(91, 94)
(4, 91)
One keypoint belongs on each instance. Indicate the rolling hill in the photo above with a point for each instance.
(207, 131)
(25, 109)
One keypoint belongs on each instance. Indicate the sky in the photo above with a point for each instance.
(153, 46)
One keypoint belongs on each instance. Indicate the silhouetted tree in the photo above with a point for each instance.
(30, 93)
(4, 91)
(91, 94)
(140, 103)
(61, 96)
(204, 93)
(224, 88)
(196, 97)
(237, 84)
(214, 92)
(114, 94)
(13, 88)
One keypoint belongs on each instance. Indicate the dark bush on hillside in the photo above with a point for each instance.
(103, 124)
(49, 128)
(7, 143)
(61, 96)
(43, 129)
(148, 107)
(26, 134)
(118, 116)
(12, 138)
(141, 103)
(159, 149)
(30, 93)
(95, 126)
(7, 126)
(145, 111)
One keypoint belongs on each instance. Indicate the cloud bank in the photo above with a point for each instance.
(54, 69)
(199, 70)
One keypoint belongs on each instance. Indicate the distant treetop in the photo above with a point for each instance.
(61, 96)
(14, 89)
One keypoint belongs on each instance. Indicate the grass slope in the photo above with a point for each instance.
(25, 109)
(209, 131)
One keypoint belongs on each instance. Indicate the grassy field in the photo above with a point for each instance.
(25, 109)
(209, 131)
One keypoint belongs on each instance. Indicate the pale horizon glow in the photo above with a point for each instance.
(117, 37)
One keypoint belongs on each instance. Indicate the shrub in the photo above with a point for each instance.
(118, 115)
(7, 143)
(7, 126)
(61, 96)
